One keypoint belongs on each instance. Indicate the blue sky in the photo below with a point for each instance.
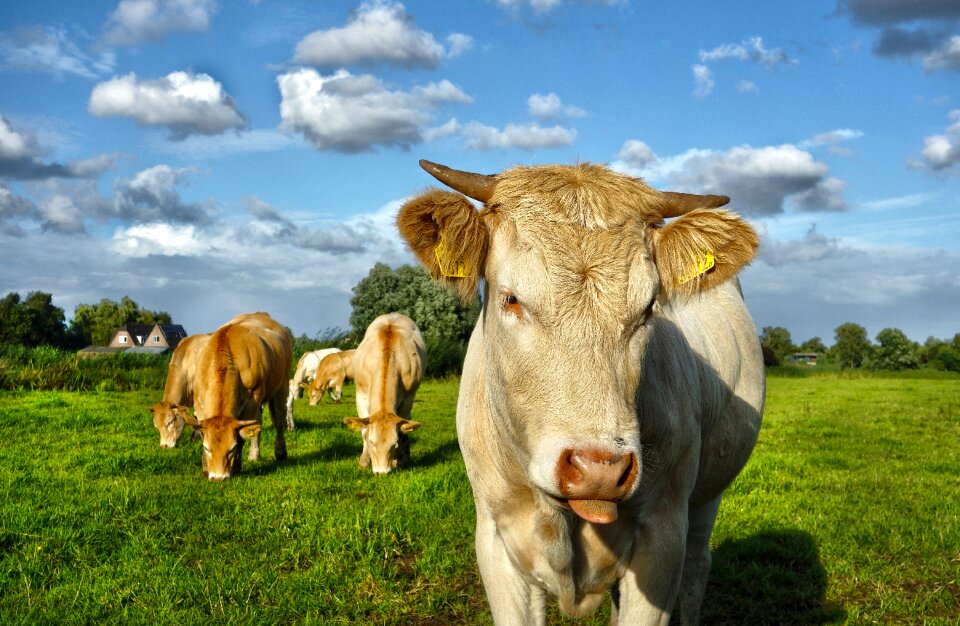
(209, 158)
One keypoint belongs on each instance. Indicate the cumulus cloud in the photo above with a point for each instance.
(522, 136)
(51, 51)
(378, 32)
(20, 159)
(355, 113)
(182, 102)
(12, 209)
(545, 6)
(760, 181)
(136, 21)
(942, 152)
(152, 195)
(550, 107)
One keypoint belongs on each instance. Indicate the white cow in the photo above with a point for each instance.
(305, 372)
(612, 389)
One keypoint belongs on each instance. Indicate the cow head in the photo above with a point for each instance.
(223, 444)
(385, 442)
(168, 419)
(315, 390)
(577, 262)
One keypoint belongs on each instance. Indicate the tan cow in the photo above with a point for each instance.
(168, 414)
(388, 365)
(243, 366)
(613, 386)
(333, 370)
(305, 373)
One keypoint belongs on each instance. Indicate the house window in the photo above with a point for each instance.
(156, 339)
(123, 339)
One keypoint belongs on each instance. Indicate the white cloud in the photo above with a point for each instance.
(20, 154)
(50, 50)
(524, 137)
(702, 80)
(833, 141)
(378, 32)
(152, 196)
(227, 144)
(942, 152)
(750, 50)
(760, 181)
(348, 113)
(550, 107)
(946, 56)
(636, 155)
(183, 102)
(142, 240)
(135, 21)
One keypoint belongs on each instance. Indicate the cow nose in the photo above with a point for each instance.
(592, 474)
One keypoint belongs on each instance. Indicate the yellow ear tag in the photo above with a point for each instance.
(702, 264)
(447, 267)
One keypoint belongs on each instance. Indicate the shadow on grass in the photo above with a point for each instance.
(436, 455)
(772, 577)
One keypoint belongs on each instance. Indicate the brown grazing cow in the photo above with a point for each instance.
(388, 365)
(333, 370)
(168, 414)
(613, 386)
(243, 366)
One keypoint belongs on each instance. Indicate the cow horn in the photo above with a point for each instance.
(677, 204)
(477, 186)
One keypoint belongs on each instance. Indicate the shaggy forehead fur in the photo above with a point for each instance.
(585, 195)
(589, 227)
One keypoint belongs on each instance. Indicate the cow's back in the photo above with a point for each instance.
(388, 365)
(182, 371)
(250, 355)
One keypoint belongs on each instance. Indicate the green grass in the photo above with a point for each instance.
(847, 513)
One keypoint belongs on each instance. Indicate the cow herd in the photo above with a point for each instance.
(613, 386)
(228, 376)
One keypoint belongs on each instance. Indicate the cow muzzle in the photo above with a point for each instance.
(593, 481)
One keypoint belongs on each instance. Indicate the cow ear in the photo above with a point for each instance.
(702, 249)
(448, 236)
(356, 423)
(250, 430)
(190, 419)
(409, 426)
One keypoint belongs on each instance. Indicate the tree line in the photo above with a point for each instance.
(35, 321)
(446, 324)
(852, 348)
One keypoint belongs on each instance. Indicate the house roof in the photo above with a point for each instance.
(172, 331)
(135, 330)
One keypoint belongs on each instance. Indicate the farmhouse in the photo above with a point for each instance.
(143, 338)
(164, 336)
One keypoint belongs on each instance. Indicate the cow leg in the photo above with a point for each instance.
(696, 565)
(365, 455)
(648, 590)
(280, 419)
(290, 398)
(513, 601)
(337, 392)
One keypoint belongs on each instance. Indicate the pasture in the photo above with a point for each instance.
(847, 513)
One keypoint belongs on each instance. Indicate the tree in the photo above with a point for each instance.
(96, 323)
(777, 339)
(32, 322)
(411, 291)
(895, 352)
(813, 345)
(852, 345)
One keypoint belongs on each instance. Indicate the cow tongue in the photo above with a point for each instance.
(595, 511)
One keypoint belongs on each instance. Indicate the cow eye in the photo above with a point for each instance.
(510, 304)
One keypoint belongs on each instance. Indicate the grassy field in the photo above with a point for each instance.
(847, 513)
